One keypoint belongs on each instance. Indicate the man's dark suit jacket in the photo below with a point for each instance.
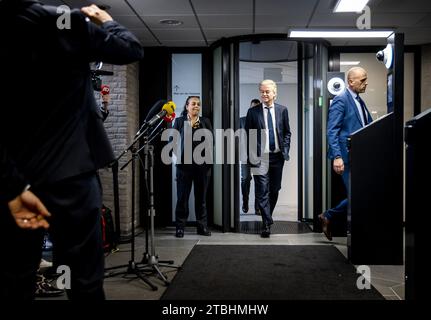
(50, 125)
(255, 120)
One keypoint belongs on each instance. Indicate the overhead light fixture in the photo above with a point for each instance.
(171, 22)
(349, 63)
(350, 5)
(339, 34)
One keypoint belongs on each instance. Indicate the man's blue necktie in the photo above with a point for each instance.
(270, 131)
(364, 112)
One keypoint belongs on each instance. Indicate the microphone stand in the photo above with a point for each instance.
(132, 266)
(146, 255)
(114, 166)
(150, 259)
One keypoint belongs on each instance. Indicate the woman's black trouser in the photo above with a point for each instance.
(199, 176)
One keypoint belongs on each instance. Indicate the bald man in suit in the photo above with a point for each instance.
(347, 114)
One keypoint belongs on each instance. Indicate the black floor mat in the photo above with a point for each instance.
(279, 227)
(267, 272)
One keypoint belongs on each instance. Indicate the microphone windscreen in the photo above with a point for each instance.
(169, 118)
(169, 107)
(105, 89)
(155, 109)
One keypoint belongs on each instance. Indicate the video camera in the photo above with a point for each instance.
(95, 76)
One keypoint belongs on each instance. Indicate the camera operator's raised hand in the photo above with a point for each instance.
(96, 15)
(106, 99)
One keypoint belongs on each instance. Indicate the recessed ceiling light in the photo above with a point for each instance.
(338, 34)
(171, 22)
(350, 5)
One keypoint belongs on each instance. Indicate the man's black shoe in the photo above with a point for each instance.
(266, 232)
(204, 232)
(245, 207)
(44, 288)
(179, 233)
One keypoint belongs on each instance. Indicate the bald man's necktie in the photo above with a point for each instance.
(364, 110)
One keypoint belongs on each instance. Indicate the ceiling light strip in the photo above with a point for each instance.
(199, 23)
(349, 63)
(339, 34)
(142, 20)
(350, 5)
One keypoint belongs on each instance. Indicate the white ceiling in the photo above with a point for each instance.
(253, 72)
(205, 21)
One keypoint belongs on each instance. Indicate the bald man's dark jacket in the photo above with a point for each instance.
(50, 126)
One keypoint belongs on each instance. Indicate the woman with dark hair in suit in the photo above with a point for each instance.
(189, 171)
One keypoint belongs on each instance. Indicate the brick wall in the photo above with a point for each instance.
(121, 126)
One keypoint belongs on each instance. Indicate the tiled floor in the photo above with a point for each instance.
(389, 280)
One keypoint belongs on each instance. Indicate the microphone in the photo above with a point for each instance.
(169, 118)
(105, 89)
(167, 110)
(156, 131)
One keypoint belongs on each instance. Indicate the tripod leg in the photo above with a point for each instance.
(114, 274)
(165, 280)
(169, 266)
(116, 267)
(143, 278)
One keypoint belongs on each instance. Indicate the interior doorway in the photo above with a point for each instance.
(258, 61)
(297, 67)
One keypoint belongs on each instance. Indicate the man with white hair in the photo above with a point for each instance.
(272, 119)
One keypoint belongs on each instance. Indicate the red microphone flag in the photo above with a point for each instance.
(105, 89)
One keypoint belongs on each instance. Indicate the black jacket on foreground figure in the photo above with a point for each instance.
(11, 182)
(50, 123)
(52, 137)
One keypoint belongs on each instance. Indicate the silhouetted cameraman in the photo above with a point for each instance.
(55, 137)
